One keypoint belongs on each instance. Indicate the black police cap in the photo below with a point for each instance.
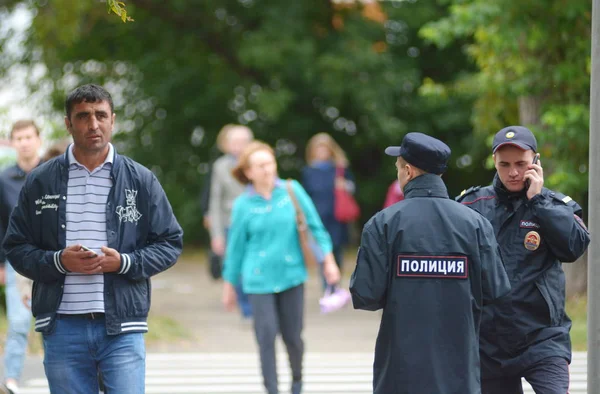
(422, 151)
(518, 136)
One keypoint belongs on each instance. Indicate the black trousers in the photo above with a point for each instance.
(549, 376)
(273, 314)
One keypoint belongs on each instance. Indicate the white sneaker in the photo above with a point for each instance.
(11, 388)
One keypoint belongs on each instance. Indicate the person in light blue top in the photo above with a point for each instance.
(263, 247)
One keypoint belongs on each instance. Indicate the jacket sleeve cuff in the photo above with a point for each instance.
(58, 263)
(125, 264)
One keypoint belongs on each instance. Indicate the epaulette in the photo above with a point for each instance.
(563, 198)
(466, 192)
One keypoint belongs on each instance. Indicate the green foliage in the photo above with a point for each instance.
(118, 7)
(287, 69)
(537, 49)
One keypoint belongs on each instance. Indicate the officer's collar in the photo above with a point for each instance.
(426, 185)
(505, 195)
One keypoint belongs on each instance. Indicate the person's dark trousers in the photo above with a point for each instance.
(279, 313)
(548, 376)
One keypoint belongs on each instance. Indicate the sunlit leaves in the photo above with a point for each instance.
(118, 7)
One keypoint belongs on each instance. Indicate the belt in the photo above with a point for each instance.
(88, 316)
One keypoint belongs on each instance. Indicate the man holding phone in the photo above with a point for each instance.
(527, 334)
(90, 228)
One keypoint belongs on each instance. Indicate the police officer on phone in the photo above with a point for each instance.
(537, 229)
(431, 264)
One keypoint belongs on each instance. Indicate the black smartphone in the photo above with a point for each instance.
(88, 250)
(535, 160)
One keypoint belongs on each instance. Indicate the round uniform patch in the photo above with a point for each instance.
(532, 240)
(510, 134)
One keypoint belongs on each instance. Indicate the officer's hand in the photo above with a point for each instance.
(111, 261)
(229, 297)
(535, 175)
(331, 272)
(75, 259)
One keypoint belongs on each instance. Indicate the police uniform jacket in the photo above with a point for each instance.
(431, 265)
(535, 236)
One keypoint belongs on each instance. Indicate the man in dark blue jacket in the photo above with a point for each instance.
(432, 265)
(537, 229)
(90, 228)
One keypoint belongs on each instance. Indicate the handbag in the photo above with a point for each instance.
(346, 208)
(334, 299)
(311, 251)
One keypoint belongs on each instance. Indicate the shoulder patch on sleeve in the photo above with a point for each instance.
(466, 192)
(567, 200)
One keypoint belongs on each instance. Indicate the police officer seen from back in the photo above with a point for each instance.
(430, 264)
(527, 335)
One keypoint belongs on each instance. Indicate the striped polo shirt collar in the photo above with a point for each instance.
(110, 158)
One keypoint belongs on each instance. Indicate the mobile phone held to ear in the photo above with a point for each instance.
(88, 250)
(535, 160)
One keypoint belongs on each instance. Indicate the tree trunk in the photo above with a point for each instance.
(529, 110)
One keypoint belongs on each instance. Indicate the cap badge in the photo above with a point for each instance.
(510, 134)
(532, 240)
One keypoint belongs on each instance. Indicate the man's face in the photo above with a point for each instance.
(26, 142)
(237, 140)
(91, 125)
(511, 164)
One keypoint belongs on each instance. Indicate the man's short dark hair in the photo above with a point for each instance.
(89, 93)
(23, 124)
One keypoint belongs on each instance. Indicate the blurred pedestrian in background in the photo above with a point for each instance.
(25, 139)
(224, 189)
(394, 194)
(327, 168)
(263, 247)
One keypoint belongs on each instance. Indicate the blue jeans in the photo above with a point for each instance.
(78, 348)
(19, 323)
(243, 302)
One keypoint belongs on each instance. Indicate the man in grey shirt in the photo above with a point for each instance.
(224, 189)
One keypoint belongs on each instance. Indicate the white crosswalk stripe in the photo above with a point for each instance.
(239, 373)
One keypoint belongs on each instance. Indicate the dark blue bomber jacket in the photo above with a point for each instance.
(140, 225)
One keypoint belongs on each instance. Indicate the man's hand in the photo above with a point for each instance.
(217, 245)
(75, 259)
(111, 261)
(26, 298)
(535, 176)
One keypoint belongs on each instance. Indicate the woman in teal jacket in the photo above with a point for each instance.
(263, 247)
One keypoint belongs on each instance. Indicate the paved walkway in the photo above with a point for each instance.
(187, 294)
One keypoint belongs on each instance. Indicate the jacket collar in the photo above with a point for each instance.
(279, 183)
(505, 196)
(426, 185)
